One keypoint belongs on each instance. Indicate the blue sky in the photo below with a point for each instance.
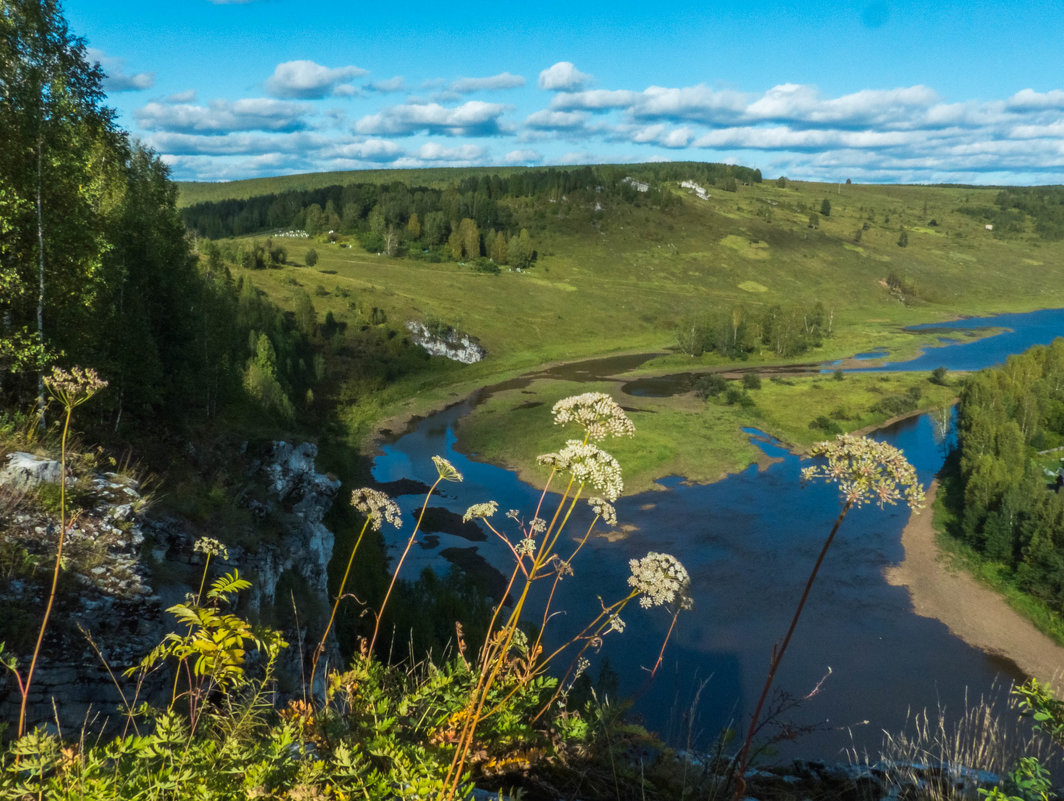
(873, 90)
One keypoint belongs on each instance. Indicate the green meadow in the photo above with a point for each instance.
(621, 278)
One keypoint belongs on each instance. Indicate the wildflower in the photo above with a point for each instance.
(481, 511)
(597, 412)
(538, 525)
(525, 547)
(446, 469)
(588, 464)
(376, 506)
(74, 386)
(514, 514)
(582, 664)
(660, 579)
(866, 470)
(211, 547)
(616, 624)
(603, 509)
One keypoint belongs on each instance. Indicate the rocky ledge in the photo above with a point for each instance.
(446, 342)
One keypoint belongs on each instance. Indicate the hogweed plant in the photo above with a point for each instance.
(377, 508)
(444, 472)
(70, 388)
(865, 470)
(581, 464)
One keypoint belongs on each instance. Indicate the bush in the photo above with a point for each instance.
(711, 384)
(938, 376)
(825, 424)
(311, 257)
(751, 381)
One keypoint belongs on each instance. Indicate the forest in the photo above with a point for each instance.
(478, 217)
(1007, 497)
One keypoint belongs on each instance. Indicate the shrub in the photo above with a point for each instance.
(710, 385)
(751, 381)
(311, 257)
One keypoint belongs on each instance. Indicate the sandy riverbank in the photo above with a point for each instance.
(972, 612)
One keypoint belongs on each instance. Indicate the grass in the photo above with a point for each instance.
(620, 279)
(682, 435)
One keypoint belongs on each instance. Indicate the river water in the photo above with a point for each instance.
(748, 543)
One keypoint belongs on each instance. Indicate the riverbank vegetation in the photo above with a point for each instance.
(1002, 492)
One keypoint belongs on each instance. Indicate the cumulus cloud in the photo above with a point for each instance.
(223, 116)
(663, 135)
(1030, 100)
(307, 80)
(563, 77)
(434, 151)
(556, 120)
(116, 78)
(375, 150)
(504, 80)
(523, 157)
(474, 118)
(596, 100)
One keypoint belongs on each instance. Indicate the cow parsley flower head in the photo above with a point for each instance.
(525, 547)
(480, 511)
(74, 386)
(660, 579)
(377, 507)
(866, 470)
(211, 547)
(445, 469)
(588, 464)
(597, 412)
(603, 509)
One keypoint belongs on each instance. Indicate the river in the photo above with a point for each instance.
(748, 542)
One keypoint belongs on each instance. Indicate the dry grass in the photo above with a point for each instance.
(946, 753)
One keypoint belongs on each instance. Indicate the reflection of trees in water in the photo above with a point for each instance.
(942, 429)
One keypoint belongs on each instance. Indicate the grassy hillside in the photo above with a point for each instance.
(620, 276)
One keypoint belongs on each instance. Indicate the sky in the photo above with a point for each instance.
(875, 91)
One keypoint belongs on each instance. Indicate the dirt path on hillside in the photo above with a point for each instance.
(973, 612)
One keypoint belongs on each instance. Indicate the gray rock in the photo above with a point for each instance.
(25, 471)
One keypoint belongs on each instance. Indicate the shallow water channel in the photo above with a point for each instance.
(748, 542)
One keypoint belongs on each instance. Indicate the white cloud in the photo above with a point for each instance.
(556, 120)
(394, 84)
(563, 77)
(188, 96)
(434, 151)
(504, 80)
(1030, 100)
(523, 157)
(308, 80)
(663, 135)
(116, 78)
(375, 150)
(596, 100)
(474, 118)
(223, 116)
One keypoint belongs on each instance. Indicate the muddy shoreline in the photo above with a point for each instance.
(971, 611)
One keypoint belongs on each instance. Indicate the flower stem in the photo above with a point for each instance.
(777, 657)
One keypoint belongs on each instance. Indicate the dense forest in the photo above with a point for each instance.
(1009, 502)
(96, 268)
(479, 217)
